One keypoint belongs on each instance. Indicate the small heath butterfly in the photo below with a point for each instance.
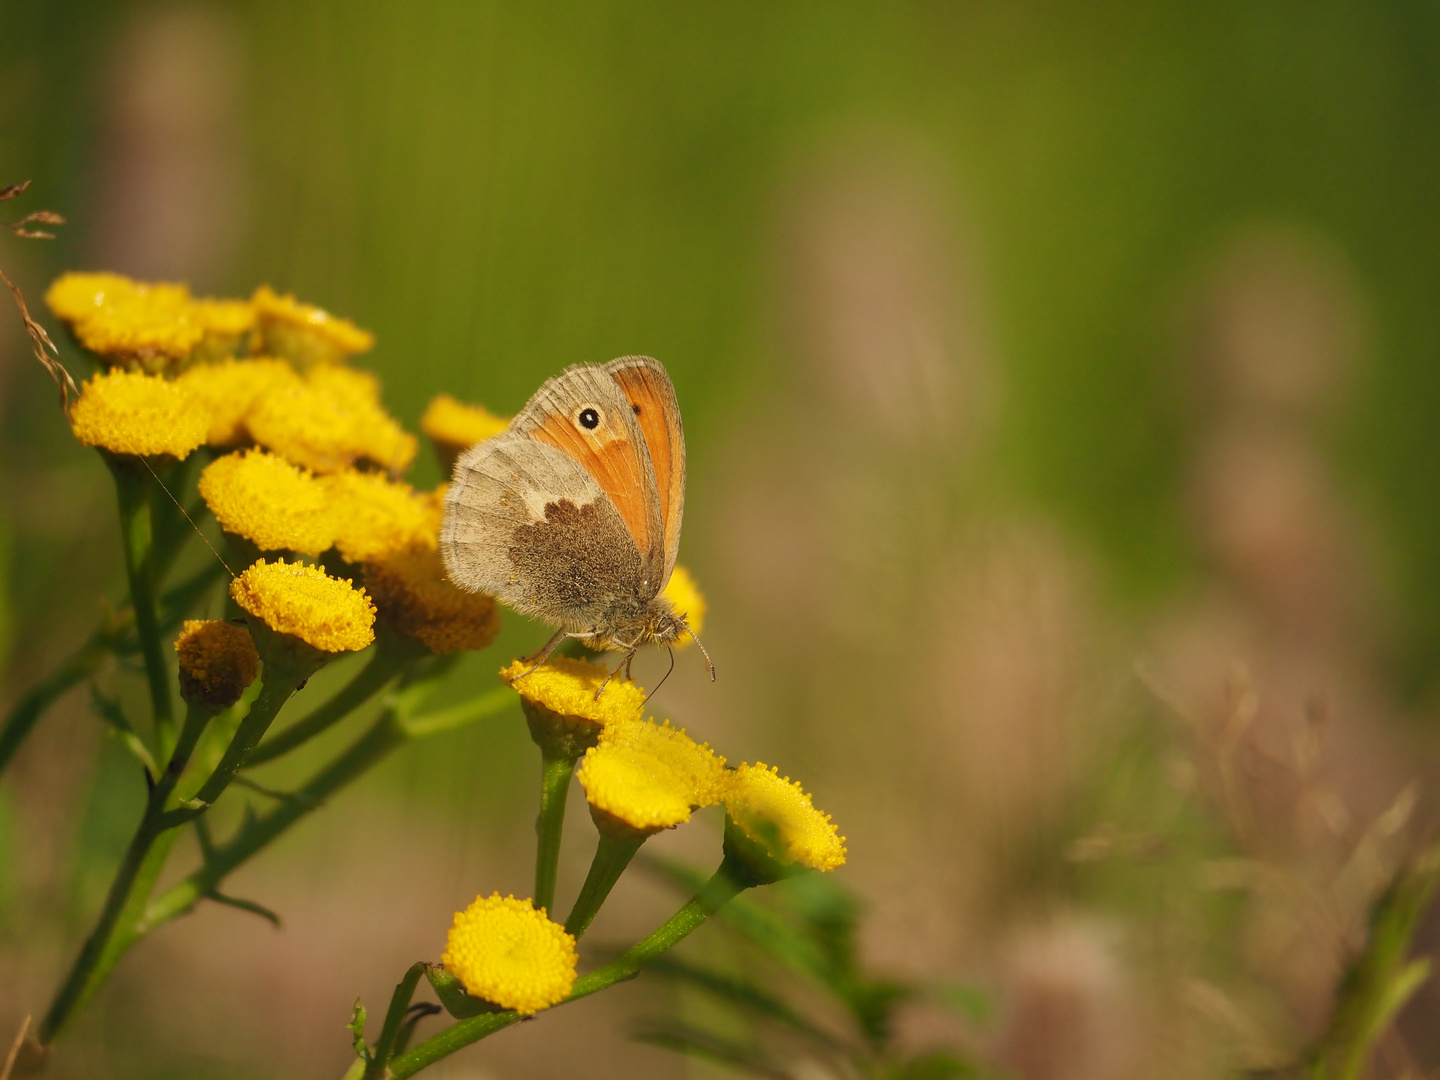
(572, 513)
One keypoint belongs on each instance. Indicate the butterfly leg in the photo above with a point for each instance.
(624, 664)
(544, 654)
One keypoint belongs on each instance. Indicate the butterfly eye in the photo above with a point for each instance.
(589, 418)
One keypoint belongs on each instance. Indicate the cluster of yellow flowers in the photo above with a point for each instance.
(639, 777)
(303, 462)
(305, 459)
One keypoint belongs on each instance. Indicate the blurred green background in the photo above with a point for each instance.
(500, 190)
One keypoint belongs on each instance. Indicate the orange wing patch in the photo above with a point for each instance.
(653, 400)
(609, 456)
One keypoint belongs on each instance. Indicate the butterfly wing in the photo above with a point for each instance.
(647, 386)
(526, 523)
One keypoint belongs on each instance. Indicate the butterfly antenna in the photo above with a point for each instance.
(708, 662)
(187, 517)
(661, 683)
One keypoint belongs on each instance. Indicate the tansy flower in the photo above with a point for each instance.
(558, 697)
(306, 603)
(129, 413)
(454, 427)
(152, 325)
(777, 815)
(649, 776)
(303, 333)
(685, 597)
(230, 389)
(217, 662)
(227, 324)
(268, 501)
(413, 595)
(505, 951)
(327, 424)
(376, 516)
(383, 440)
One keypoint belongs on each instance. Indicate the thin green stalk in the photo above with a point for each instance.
(368, 681)
(131, 490)
(115, 930)
(394, 1021)
(277, 686)
(613, 853)
(392, 730)
(555, 773)
(724, 886)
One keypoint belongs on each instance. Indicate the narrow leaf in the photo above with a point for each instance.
(10, 192)
(452, 994)
(700, 1043)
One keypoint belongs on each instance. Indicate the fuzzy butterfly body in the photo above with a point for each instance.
(572, 514)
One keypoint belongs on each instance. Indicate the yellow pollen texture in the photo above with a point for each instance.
(291, 598)
(217, 661)
(648, 775)
(454, 424)
(230, 390)
(129, 413)
(567, 687)
(505, 951)
(773, 810)
(685, 597)
(413, 595)
(270, 502)
(376, 516)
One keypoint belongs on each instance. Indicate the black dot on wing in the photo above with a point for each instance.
(636, 408)
(589, 418)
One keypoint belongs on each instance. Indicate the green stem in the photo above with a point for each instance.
(724, 886)
(132, 492)
(368, 681)
(116, 929)
(394, 1020)
(613, 853)
(278, 684)
(392, 730)
(555, 773)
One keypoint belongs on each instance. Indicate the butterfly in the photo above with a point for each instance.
(572, 513)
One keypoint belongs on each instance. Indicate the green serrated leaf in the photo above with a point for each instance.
(452, 994)
(357, 1029)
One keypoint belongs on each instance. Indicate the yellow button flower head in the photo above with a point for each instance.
(129, 413)
(454, 427)
(381, 438)
(376, 516)
(305, 334)
(649, 776)
(306, 603)
(567, 687)
(505, 951)
(217, 662)
(231, 388)
(269, 502)
(330, 421)
(685, 597)
(151, 325)
(777, 815)
(412, 594)
(227, 324)
(561, 708)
